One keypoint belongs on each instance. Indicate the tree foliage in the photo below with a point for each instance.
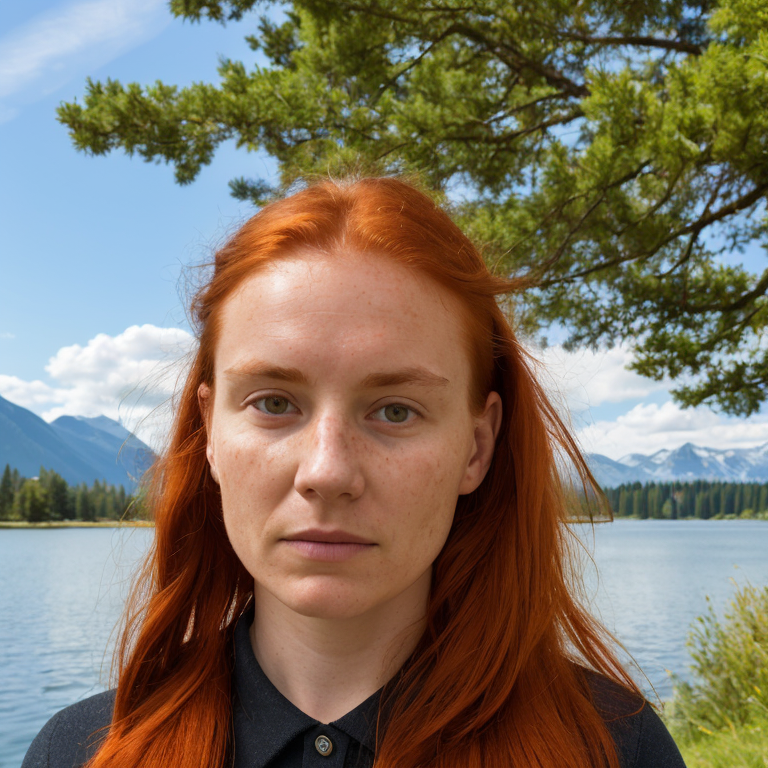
(49, 498)
(616, 153)
(703, 499)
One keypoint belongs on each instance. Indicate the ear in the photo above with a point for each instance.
(204, 399)
(487, 427)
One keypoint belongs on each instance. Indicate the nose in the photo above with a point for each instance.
(330, 464)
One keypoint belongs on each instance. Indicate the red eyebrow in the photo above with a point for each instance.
(412, 375)
(267, 371)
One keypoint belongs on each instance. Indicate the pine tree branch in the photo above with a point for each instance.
(505, 50)
(760, 289)
(640, 41)
(740, 204)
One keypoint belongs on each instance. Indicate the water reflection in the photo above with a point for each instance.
(655, 577)
(61, 594)
(62, 591)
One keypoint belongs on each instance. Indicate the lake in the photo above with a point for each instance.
(61, 592)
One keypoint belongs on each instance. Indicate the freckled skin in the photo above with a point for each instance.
(333, 459)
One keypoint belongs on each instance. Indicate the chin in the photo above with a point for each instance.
(326, 600)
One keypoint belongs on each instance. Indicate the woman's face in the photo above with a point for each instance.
(340, 430)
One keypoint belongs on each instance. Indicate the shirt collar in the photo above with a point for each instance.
(265, 722)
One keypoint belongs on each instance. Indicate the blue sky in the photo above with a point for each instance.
(92, 249)
(96, 244)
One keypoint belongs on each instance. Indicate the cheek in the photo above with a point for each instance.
(253, 481)
(423, 491)
(250, 475)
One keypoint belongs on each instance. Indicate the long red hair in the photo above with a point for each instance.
(498, 677)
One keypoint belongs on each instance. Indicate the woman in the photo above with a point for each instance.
(359, 548)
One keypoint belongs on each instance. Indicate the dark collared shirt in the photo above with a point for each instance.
(270, 732)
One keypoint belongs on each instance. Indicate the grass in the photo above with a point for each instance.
(745, 747)
(721, 719)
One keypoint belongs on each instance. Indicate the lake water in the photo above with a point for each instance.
(61, 592)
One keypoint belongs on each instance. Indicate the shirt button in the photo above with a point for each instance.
(324, 745)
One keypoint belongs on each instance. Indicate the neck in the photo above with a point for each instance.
(326, 667)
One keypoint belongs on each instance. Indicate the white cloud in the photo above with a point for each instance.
(29, 394)
(583, 380)
(70, 41)
(132, 376)
(7, 335)
(586, 379)
(128, 377)
(650, 428)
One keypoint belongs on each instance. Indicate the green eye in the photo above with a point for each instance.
(274, 405)
(396, 413)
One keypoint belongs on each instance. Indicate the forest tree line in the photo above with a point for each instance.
(701, 499)
(49, 498)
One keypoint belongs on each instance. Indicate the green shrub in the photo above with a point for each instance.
(730, 665)
(745, 747)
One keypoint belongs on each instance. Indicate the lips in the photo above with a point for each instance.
(327, 537)
(327, 546)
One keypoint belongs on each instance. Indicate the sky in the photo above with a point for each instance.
(98, 253)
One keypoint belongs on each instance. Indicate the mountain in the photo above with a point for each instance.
(79, 449)
(27, 443)
(689, 462)
(610, 473)
(84, 450)
(119, 456)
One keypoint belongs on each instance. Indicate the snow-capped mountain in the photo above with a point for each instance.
(689, 462)
(86, 449)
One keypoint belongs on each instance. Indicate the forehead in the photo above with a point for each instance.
(359, 311)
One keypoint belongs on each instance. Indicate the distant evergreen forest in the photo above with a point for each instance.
(50, 498)
(701, 499)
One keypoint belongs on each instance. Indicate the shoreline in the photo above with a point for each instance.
(21, 524)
